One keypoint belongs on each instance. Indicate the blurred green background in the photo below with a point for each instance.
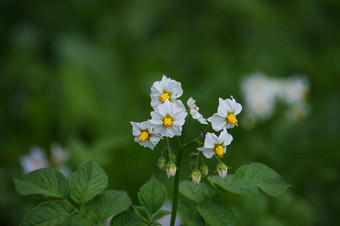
(77, 72)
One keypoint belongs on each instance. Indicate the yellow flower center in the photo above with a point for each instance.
(167, 121)
(219, 150)
(232, 120)
(164, 96)
(144, 136)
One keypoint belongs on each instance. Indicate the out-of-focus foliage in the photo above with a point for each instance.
(76, 72)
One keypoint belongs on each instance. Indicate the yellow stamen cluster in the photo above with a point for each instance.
(167, 122)
(144, 136)
(219, 150)
(164, 96)
(232, 120)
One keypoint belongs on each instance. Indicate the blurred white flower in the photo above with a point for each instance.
(166, 89)
(59, 154)
(194, 111)
(295, 89)
(66, 171)
(34, 160)
(259, 93)
(226, 114)
(144, 134)
(165, 221)
(214, 144)
(222, 169)
(168, 119)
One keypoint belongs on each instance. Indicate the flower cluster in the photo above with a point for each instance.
(167, 119)
(262, 92)
(36, 159)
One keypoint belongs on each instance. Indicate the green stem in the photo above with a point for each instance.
(175, 195)
(187, 132)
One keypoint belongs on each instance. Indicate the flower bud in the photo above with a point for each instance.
(204, 170)
(196, 176)
(171, 169)
(161, 162)
(222, 169)
(173, 156)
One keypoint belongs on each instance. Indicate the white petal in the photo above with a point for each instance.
(225, 137)
(207, 152)
(176, 89)
(223, 108)
(191, 103)
(210, 140)
(217, 122)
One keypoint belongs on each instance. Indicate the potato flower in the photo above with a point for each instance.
(168, 119)
(144, 134)
(34, 160)
(194, 111)
(226, 114)
(216, 145)
(166, 89)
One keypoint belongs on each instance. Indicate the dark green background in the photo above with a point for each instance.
(77, 72)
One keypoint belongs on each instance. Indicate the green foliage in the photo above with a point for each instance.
(107, 204)
(127, 218)
(249, 178)
(88, 181)
(189, 214)
(217, 214)
(152, 195)
(86, 186)
(192, 191)
(48, 213)
(160, 214)
(47, 182)
(142, 213)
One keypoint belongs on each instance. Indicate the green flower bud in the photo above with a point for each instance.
(173, 157)
(204, 170)
(161, 162)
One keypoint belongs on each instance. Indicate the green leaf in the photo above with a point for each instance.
(48, 182)
(249, 178)
(79, 220)
(160, 214)
(88, 181)
(192, 191)
(156, 224)
(108, 204)
(238, 186)
(189, 214)
(217, 214)
(142, 213)
(48, 213)
(152, 195)
(264, 177)
(126, 218)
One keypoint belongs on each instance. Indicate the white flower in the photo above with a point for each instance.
(59, 155)
(295, 89)
(260, 92)
(226, 114)
(144, 134)
(168, 119)
(34, 160)
(171, 169)
(196, 176)
(222, 169)
(166, 89)
(214, 144)
(194, 111)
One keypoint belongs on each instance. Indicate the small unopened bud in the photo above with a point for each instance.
(196, 176)
(161, 162)
(173, 157)
(204, 170)
(222, 169)
(171, 169)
